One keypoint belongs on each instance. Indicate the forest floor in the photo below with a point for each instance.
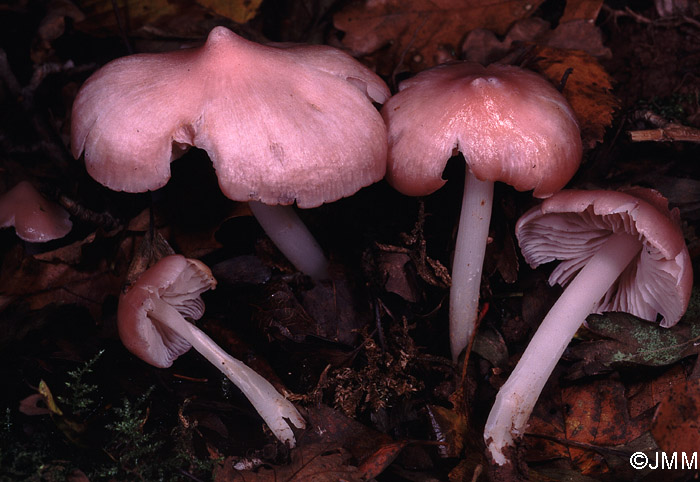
(365, 357)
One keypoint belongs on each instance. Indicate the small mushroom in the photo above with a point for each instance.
(281, 124)
(36, 220)
(511, 125)
(153, 324)
(619, 251)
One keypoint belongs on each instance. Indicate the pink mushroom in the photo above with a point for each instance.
(36, 220)
(511, 125)
(154, 320)
(281, 124)
(619, 251)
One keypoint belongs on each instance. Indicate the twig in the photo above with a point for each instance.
(669, 21)
(672, 133)
(581, 445)
(104, 219)
(665, 131)
(7, 76)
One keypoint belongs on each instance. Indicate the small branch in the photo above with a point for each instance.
(581, 445)
(664, 131)
(671, 132)
(7, 76)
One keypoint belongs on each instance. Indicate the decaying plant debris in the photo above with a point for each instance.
(365, 356)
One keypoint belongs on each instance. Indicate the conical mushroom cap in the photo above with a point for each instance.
(510, 124)
(280, 123)
(36, 220)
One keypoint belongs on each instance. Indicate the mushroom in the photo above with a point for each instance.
(281, 124)
(36, 220)
(510, 125)
(620, 251)
(153, 324)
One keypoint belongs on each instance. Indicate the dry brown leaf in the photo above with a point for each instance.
(419, 34)
(588, 88)
(312, 463)
(485, 47)
(182, 19)
(55, 277)
(645, 395)
(676, 426)
(326, 452)
(398, 275)
(100, 14)
(581, 10)
(53, 24)
(240, 11)
(449, 428)
(382, 458)
(578, 35)
(588, 417)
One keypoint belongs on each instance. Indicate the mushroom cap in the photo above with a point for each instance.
(35, 219)
(280, 123)
(176, 280)
(510, 124)
(572, 224)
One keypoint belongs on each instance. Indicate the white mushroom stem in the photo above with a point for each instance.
(516, 399)
(292, 238)
(470, 248)
(274, 409)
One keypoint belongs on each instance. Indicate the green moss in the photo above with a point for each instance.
(105, 440)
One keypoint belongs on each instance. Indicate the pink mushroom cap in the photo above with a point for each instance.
(572, 224)
(510, 124)
(175, 280)
(280, 123)
(35, 219)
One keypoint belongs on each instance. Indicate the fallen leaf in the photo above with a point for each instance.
(240, 11)
(502, 256)
(281, 315)
(489, 345)
(485, 47)
(449, 428)
(377, 462)
(52, 26)
(676, 426)
(398, 275)
(630, 341)
(337, 310)
(579, 35)
(328, 451)
(586, 423)
(420, 34)
(581, 10)
(331, 427)
(183, 19)
(313, 463)
(327, 311)
(45, 392)
(34, 405)
(242, 270)
(468, 469)
(643, 396)
(35, 284)
(588, 87)
(101, 15)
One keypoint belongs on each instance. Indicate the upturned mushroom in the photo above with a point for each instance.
(281, 123)
(35, 219)
(511, 125)
(619, 251)
(154, 324)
